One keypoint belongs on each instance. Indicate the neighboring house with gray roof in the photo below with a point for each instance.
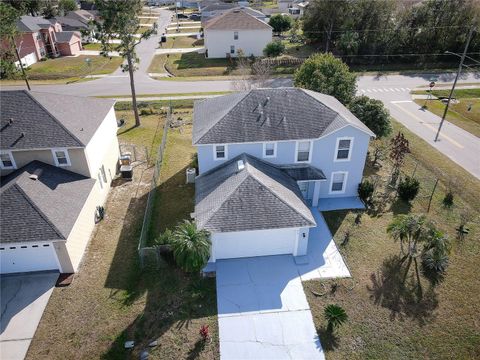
(58, 156)
(39, 37)
(265, 156)
(234, 30)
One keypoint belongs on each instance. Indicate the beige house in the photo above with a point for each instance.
(236, 30)
(58, 157)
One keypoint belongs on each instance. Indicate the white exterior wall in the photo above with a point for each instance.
(252, 42)
(27, 60)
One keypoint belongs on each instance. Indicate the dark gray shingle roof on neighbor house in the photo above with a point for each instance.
(37, 120)
(66, 36)
(269, 115)
(69, 23)
(236, 19)
(44, 209)
(28, 23)
(256, 197)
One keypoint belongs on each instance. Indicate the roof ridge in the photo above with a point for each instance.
(38, 210)
(54, 118)
(277, 195)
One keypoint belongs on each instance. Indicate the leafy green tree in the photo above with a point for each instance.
(280, 23)
(120, 21)
(348, 43)
(191, 246)
(327, 74)
(64, 6)
(8, 32)
(31, 7)
(273, 49)
(408, 188)
(49, 9)
(365, 191)
(335, 316)
(373, 114)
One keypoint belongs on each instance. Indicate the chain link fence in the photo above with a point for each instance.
(144, 250)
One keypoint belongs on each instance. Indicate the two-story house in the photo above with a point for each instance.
(265, 157)
(233, 30)
(58, 157)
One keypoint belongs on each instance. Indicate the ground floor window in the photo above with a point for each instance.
(339, 180)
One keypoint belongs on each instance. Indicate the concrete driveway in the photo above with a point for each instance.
(23, 299)
(263, 312)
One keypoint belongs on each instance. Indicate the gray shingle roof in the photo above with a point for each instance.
(28, 23)
(236, 19)
(69, 23)
(301, 172)
(43, 209)
(269, 115)
(259, 196)
(66, 36)
(42, 120)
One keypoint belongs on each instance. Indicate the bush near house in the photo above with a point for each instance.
(273, 49)
(280, 23)
(408, 188)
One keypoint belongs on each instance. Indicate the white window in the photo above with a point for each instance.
(220, 152)
(304, 151)
(269, 150)
(235, 35)
(343, 149)
(339, 182)
(7, 161)
(61, 157)
(232, 49)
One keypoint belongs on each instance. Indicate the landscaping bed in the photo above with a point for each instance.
(112, 300)
(389, 318)
(71, 67)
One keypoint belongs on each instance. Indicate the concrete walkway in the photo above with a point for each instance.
(182, 34)
(97, 53)
(23, 299)
(179, 50)
(199, 23)
(183, 27)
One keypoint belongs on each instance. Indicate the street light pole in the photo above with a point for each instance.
(21, 64)
(455, 82)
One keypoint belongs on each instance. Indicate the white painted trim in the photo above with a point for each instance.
(264, 155)
(65, 150)
(12, 160)
(309, 152)
(344, 182)
(316, 193)
(335, 154)
(215, 152)
(295, 246)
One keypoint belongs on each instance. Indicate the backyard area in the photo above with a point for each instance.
(112, 300)
(465, 113)
(390, 318)
(72, 67)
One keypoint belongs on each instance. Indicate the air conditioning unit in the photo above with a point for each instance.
(126, 171)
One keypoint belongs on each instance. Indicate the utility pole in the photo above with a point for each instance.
(455, 82)
(20, 62)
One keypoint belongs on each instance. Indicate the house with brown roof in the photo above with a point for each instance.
(236, 30)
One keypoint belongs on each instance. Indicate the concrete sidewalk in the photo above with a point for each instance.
(179, 50)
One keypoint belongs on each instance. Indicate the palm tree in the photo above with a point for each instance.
(335, 316)
(191, 246)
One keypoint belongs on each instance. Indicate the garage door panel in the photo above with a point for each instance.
(254, 243)
(26, 258)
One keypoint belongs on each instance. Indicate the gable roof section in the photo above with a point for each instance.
(28, 23)
(259, 196)
(42, 120)
(44, 209)
(66, 36)
(71, 23)
(276, 114)
(236, 19)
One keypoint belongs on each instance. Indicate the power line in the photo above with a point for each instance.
(409, 54)
(391, 29)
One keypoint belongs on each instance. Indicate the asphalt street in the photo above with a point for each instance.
(393, 90)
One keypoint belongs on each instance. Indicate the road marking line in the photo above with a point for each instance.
(384, 89)
(380, 90)
(391, 89)
(397, 89)
(363, 91)
(369, 90)
(374, 90)
(403, 89)
(408, 89)
(434, 129)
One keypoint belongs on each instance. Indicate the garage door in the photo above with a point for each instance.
(254, 243)
(25, 258)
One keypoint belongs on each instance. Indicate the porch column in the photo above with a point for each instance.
(316, 194)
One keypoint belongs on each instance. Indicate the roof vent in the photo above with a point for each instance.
(33, 177)
(266, 100)
(10, 121)
(240, 165)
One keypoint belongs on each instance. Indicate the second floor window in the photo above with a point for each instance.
(303, 151)
(235, 35)
(220, 152)
(269, 150)
(6, 160)
(343, 149)
(61, 157)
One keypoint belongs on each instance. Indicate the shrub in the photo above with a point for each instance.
(191, 246)
(408, 188)
(448, 200)
(280, 23)
(365, 191)
(164, 238)
(335, 316)
(373, 114)
(274, 48)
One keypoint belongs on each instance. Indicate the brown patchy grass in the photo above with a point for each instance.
(112, 300)
(388, 320)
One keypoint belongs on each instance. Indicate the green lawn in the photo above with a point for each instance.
(182, 42)
(458, 114)
(388, 320)
(192, 64)
(71, 67)
(93, 46)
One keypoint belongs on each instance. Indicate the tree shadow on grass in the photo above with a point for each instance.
(403, 296)
(400, 207)
(329, 340)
